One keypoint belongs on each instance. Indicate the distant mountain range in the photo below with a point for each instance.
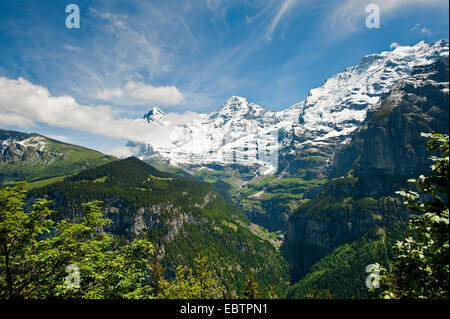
(270, 162)
(323, 120)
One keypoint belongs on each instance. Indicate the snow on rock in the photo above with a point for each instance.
(250, 135)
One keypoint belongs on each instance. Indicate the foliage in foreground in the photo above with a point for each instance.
(41, 259)
(422, 258)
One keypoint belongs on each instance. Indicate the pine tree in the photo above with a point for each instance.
(158, 283)
(251, 288)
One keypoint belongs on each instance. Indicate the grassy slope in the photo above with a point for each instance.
(59, 159)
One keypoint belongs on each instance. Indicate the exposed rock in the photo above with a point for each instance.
(382, 154)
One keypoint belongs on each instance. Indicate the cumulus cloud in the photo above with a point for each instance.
(394, 45)
(24, 104)
(164, 95)
(138, 92)
(123, 151)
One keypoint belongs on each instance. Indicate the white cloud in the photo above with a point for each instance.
(24, 104)
(394, 45)
(10, 118)
(62, 138)
(123, 151)
(426, 31)
(423, 30)
(285, 7)
(166, 95)
(414, 28)
(137, 92)
(69, 47)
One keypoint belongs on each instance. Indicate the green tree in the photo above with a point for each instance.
(271, 293)
(251, 288)
(104, 272)
(205, 283)
(36, 266)
(200, 283)
(158, 283)
(19, 229)
(421, 269)
(229, 293)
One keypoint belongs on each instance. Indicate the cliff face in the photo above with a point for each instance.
(389, 142)
(383, 153)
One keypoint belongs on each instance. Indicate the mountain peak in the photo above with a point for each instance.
(153, 114)
(238, 103)
(237, 99)
(235, 103)
(238, 107)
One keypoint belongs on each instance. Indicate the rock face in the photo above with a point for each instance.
(383, 153)
(309, 238)
(21, 147)
(388, 148)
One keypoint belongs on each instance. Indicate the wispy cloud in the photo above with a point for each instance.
(426, 31)
(348, 16)
(71, 47)
(283, 10)
(421, 29)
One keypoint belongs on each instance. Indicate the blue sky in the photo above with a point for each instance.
(183, 56)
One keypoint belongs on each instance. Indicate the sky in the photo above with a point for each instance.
(91, 85)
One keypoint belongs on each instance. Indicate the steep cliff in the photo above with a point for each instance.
(382, 154)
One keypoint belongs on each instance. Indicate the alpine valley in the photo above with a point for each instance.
(304, 198)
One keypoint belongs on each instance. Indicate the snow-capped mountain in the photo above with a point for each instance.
(34, 142)
(238, 132)
(247, 134)
(154, 114)
(336, 108)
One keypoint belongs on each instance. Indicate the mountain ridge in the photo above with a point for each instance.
(32, 157)
(351, 93)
